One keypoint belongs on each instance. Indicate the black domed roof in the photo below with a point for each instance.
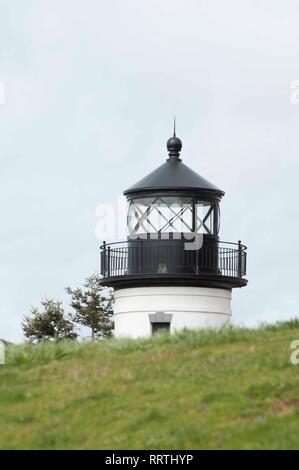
(174, 175)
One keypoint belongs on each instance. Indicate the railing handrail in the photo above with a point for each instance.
(123, 242)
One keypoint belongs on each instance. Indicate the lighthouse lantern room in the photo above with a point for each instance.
(172, 272)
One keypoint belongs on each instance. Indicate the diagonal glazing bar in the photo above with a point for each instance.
(144, 217)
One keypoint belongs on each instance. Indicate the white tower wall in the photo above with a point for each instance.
(187, 307)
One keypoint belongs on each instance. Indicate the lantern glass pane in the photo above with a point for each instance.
(172, 214)
(160, 215)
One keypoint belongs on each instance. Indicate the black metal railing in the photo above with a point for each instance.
(141, 257)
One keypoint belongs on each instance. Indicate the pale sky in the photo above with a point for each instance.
(91, 88)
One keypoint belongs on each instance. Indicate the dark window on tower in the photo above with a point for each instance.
(160, 328)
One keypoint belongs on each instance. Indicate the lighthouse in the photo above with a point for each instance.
(172, 272)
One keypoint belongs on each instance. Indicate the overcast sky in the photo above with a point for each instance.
(89, 89)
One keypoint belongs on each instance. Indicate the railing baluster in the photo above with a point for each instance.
(239, 259)
(108, 273)
(104, 258)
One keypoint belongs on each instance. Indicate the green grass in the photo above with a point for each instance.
(233, 389)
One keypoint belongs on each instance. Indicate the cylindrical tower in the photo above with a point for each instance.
(172, 272)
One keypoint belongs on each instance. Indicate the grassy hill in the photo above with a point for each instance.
(194, 390)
